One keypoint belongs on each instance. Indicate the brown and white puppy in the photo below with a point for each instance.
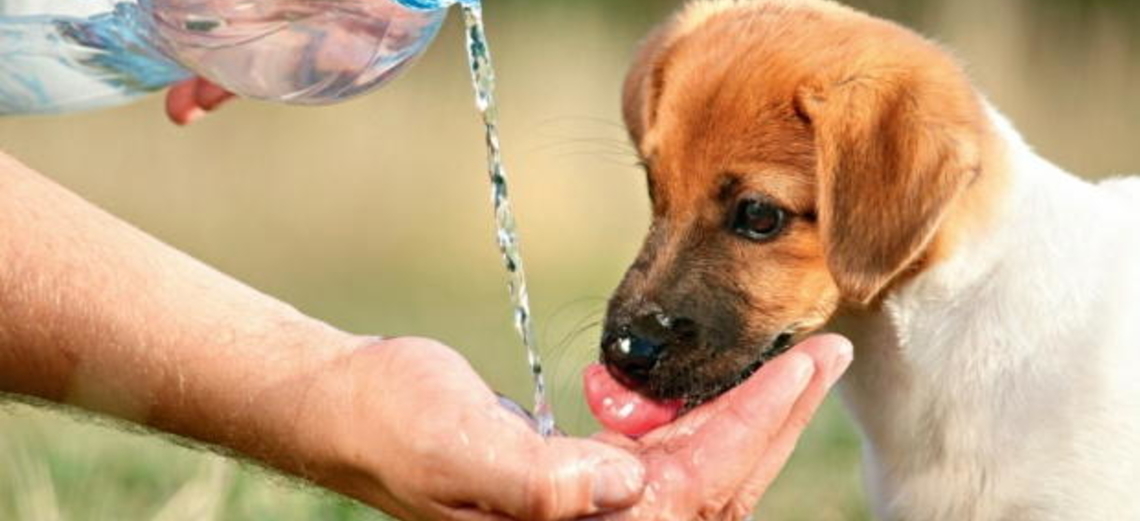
(808, 162)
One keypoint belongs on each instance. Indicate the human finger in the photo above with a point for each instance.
(181, 106)
(559, 478)
(209, 96)
(190, 100)
(832, 355)
(742, 423)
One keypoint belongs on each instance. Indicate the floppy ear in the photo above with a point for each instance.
(894, 151)
(644, 82)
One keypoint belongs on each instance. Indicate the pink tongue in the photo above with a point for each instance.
(623, 410)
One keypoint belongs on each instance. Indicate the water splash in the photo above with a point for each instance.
(483, 78)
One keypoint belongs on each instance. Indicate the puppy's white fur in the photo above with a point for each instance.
(1004, 382)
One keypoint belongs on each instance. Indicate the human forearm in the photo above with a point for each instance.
(97, 314)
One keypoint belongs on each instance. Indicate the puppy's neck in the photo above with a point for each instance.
(997, 245)
(1026, 292)
(1017, 208)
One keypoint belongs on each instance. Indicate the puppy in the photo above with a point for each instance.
(811, 165)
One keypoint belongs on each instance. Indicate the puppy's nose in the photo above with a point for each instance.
(636, 349)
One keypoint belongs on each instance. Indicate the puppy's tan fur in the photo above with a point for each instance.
(993, 297)
(845, 119)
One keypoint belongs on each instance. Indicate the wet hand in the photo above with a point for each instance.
(417, 433)
(190, 100)
(715, 462)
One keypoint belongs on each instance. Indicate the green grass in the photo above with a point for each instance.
(63, 466)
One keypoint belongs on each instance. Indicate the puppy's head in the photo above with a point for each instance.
(801, 157)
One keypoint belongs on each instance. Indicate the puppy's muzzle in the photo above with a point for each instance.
(631, 351)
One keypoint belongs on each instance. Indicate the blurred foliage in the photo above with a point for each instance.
(902, 10)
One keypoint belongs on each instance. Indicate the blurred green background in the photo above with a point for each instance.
(374, 215)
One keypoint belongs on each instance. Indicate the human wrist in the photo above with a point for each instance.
(249, 396)
(388, 413)
(337, 440)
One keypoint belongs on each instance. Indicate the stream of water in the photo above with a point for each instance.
(483, 78)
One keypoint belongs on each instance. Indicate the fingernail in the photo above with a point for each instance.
(841, 359)
(193, 115)
(617, 483)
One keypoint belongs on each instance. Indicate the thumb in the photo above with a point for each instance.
(565, 478)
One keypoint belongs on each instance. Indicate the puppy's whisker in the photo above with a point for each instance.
(616, 142)
(610, 143)
(584, 147)
(565, 345)
(566, 358)
(620, 158)
(621, 162)
(592, 120)
(562, 347)
(566, 307)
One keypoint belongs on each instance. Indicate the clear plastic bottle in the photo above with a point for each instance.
(67, 55)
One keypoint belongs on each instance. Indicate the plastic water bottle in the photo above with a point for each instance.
(67, 55)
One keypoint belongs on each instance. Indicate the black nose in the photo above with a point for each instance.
(632, 351)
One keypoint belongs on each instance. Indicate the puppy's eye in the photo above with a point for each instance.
(758, 220)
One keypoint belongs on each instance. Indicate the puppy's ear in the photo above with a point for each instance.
(894, 151)
(644, 82)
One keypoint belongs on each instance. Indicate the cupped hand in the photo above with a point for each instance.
(190, 100)
(715, 462)
(417, 433)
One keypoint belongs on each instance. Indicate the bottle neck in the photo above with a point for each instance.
(433, 5)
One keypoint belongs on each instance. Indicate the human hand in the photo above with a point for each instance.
(190, 100)
(97, 315)
(415, 432)
(715, 462)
